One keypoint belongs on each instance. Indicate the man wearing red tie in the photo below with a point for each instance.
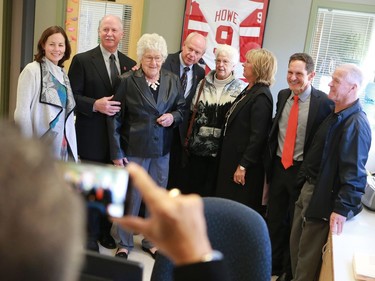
(299, 111)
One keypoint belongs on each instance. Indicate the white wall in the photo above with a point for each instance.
(165, 17)
(285, 34)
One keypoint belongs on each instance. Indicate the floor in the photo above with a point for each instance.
(138, 255)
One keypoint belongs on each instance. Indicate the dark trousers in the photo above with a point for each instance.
(98, 224)
(178, 172)
(282, 197)
(202, 175)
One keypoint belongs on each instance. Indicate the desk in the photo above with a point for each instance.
(358, 236)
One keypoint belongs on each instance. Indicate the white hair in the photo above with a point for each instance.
(354, 74)
(229, 51)
(111, 17)
(151, 42)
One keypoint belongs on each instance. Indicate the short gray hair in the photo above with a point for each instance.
(151, 42)
(113, 17)
(229, 51)
(354, 74)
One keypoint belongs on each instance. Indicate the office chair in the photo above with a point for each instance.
(239, 233)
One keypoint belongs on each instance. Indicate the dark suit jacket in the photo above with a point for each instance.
(320, 107)
(172, 63)
(243, 144)
(134, 131)
(90, 81)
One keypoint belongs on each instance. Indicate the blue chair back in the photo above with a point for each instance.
(237, 231)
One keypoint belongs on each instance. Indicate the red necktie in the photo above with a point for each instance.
(290, 136)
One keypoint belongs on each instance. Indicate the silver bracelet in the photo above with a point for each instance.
(214, 255)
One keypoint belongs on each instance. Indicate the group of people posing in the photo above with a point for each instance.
(209, 134)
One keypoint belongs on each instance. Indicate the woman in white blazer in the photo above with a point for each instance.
(45, 102)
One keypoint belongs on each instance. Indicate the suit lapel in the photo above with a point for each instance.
(144, 89)
(241, 101)
(281, 104)
(162, 88)
(313, 110)
(249, 96)
(122, 61)
(99, 64)
(194, 82)
(175, 65)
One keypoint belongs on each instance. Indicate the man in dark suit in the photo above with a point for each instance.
(313, 107)
(93, 89)
(192, 51)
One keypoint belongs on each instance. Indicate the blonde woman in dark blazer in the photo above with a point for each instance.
(245, 132)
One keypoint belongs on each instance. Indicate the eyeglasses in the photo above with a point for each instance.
(225, 62)
(150, 59)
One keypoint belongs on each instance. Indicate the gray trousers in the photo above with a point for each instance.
(158, 170)
(307, 239)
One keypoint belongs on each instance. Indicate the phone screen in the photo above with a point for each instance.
(103, 185)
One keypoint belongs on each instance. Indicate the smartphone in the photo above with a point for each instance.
(102, 185)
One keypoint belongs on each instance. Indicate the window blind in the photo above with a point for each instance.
(91, 13)
(342, 37)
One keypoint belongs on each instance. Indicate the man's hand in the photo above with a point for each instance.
(336, 223)
(107, 106)
(135, 67)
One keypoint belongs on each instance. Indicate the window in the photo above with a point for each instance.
(342, 37)
(344, 34)
(90, 13)
(82, 21)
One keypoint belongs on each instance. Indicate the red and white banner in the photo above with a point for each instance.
(239, 23)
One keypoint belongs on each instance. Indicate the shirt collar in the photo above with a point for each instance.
(304, 95)
(106, 54)
(182, 64)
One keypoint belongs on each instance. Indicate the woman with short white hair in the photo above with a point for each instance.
(152, 103)
(220, 88)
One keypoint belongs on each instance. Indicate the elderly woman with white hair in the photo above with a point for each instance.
(152, 104)
(219, 90)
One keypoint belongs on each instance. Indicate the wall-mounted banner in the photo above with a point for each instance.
(239, 23)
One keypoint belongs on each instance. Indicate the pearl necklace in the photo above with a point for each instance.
(153, 85)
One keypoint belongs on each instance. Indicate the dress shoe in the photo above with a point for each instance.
(148, 251)
(284, 277)
(107, 242)
(92, 245)
(122, 255)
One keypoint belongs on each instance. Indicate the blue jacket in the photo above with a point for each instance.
(342, 175)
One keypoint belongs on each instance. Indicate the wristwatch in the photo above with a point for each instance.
(242, 168)
(213, 256)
